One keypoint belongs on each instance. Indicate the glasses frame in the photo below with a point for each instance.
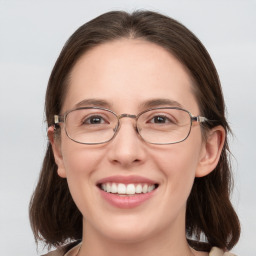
(58, 119)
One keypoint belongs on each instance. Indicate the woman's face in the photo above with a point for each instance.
(128, 76)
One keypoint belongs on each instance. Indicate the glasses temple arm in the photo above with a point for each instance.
(58, 119)
(200, 119)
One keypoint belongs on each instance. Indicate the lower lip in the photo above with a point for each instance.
(126, 202)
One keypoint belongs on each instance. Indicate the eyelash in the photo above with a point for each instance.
(85, 120)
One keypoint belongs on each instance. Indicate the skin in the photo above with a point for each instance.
(127, 73)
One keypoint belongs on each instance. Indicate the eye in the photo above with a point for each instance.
(95, 119)
(160, 119)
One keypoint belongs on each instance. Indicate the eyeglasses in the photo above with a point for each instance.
(95, 125)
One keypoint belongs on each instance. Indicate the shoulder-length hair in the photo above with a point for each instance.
(54, 217)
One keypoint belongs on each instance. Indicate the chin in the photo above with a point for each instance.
(129, 235)
(128, 229)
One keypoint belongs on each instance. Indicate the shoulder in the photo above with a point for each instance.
(218, 252)
(63, 250)
(58, 252)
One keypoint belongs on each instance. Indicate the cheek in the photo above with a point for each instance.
(80, 164)
(179, 160)
(179, 169)
(178, 164)
(79, 160)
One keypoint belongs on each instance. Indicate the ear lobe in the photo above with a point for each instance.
(55, 143)
(211, 151)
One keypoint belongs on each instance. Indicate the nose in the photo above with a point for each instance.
(127, 149)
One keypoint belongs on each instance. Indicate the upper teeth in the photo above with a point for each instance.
(129, 189)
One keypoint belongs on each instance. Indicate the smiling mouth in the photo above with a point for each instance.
(127, 189)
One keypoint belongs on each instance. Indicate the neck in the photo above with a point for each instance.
(166, 243)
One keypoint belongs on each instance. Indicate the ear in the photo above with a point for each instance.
(211, 151)
(56, 148)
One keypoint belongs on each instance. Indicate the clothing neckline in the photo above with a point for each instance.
(215, 251)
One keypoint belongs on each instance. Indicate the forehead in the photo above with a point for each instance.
(127, 72)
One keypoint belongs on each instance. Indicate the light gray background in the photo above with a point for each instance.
(32, 34)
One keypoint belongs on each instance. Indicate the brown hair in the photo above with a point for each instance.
(53, 214)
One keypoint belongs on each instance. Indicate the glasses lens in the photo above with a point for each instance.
(164, 126)
(90, 126)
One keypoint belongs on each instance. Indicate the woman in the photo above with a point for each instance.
(138, 158)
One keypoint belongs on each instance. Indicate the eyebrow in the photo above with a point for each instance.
(93, 102)
(144, 105)
(160, 102)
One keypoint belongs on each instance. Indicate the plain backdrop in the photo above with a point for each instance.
(32, 34)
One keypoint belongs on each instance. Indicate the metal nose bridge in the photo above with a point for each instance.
(122, 116)
(127, 115)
